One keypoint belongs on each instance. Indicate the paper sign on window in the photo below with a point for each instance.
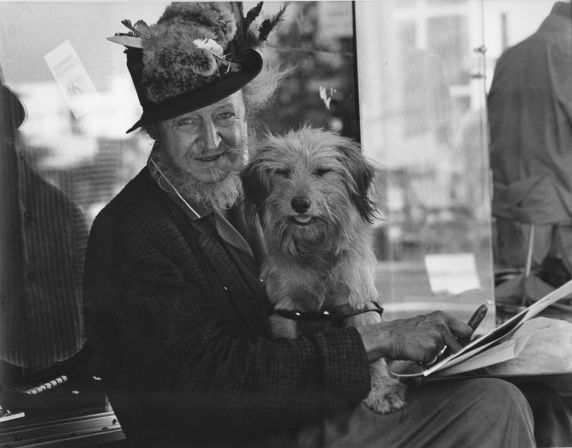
(452, 273)
(71, 77)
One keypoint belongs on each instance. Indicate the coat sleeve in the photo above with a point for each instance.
(164, 340)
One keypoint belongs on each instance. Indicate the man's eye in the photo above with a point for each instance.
(322, 171)
(225, 118)
(225, 115)
(185, 122)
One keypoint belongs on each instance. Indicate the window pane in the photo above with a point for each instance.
(421, 105)
(529, 63)
(316, 43)
(68, 158)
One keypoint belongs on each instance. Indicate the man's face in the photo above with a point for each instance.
(206, 143)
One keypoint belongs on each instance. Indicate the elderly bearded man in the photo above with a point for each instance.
(176, 311)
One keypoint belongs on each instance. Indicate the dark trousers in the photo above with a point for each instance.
(552, 415)
(483, 412)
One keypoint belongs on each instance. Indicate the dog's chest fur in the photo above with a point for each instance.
(307, 284)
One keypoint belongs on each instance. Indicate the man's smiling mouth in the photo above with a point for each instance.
(210, 158)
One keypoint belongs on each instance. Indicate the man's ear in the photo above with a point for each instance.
(152, 130)
(256, 186)
(360, 177)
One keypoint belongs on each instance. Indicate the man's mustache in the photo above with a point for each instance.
(223, 148)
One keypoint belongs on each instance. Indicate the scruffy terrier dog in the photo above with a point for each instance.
(310, 189)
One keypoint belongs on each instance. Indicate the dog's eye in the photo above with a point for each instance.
(322, 171)
(282, 172)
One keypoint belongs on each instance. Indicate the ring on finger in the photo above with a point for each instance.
(437, 356)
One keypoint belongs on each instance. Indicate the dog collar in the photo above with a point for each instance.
(326, 314)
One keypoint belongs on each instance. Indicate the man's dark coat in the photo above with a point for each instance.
(183, 340)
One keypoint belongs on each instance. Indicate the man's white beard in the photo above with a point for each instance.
(216, 195)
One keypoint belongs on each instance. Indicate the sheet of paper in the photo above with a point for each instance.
(502, 352)
(541, 304)
(452, 273)
(502, 333)
(71, 77)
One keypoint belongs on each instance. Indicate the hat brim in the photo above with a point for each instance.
(250, 67)
(12, 106)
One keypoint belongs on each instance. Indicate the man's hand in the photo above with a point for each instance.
(420, 338)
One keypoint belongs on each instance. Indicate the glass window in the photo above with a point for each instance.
(529, 80)
(316, 42)
(425, 70)
(60, 166)
(422, 100)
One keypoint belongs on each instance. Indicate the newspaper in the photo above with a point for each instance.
(495, 346)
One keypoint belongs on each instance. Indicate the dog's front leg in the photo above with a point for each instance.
(387, 393)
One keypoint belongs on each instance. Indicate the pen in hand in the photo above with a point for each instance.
(474, 322)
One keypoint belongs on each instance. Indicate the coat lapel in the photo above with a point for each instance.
(228, 233)
(252, 311)
(251, 231)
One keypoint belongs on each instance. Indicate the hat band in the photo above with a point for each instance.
(250, 67)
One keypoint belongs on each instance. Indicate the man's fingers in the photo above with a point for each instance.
(458, 327)
(452, 342)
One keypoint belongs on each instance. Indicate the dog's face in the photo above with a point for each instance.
(308, 185)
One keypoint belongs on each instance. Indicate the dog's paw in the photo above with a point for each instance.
(282, 327)
(386, 396)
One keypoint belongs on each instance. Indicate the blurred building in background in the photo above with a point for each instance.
(424, 69)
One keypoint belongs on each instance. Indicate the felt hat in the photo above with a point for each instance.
(195, 55)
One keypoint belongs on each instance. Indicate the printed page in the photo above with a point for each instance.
(502, 333)
(502, 352)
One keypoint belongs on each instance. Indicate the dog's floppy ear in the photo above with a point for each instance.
(361, 177)
(256, 185)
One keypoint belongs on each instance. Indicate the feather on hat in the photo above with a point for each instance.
(195, 55)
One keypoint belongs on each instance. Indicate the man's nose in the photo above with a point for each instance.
(210, 136)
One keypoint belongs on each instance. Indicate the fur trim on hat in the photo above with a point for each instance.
(173, 64)
(216, 17)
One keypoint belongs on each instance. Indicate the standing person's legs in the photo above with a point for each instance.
(469, 413)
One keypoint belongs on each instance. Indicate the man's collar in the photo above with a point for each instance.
(194, 210)
(224, 228)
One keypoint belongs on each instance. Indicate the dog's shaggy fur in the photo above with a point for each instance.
(310, 189)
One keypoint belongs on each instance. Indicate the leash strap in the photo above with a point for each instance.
(326, 314)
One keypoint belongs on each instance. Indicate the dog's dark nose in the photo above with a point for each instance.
(300, 204)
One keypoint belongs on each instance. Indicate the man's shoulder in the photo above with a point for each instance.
(553, 36)
(139, 202)
(141, 191)
(528, 54)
